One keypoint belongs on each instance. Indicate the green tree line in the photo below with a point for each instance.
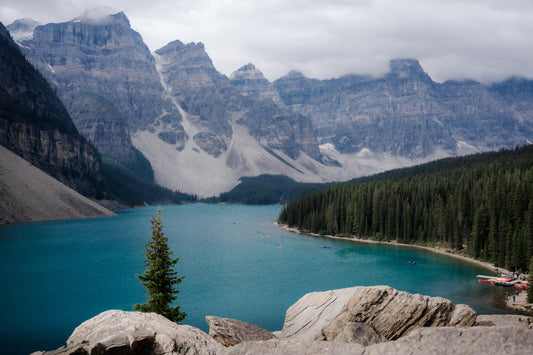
(482, 203)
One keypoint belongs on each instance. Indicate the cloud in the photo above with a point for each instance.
(484, 40)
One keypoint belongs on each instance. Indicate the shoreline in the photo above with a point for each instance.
(520, 304)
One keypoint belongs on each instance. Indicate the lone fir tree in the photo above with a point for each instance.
(160, 278)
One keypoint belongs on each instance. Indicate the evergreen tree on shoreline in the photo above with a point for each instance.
(160, 278)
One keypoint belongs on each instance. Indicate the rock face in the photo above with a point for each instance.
(338, 314)
(406, 113)
(253, 84)
(173, 105)
(35, 124)
(106, 76)
(214, 104)
(231, 332)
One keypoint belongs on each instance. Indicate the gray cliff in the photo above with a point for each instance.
(36, 125)
(106, 77)
(405, 113)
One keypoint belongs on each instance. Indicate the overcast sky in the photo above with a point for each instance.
(485, 40)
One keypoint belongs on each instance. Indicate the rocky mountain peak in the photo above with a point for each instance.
(251, 83)
(247, 72)
(190, 54)
(109, 31)
(22, 29)
(295, 74)
(407, 68)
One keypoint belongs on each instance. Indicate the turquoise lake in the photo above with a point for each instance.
(237, 264)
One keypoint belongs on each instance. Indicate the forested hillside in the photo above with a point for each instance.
(267, 190)
(482, 202)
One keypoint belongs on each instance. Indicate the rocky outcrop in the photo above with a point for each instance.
(319, 323)
(338, 314)
(119, 332)
(230, 332)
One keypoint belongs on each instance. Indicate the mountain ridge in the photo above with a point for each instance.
(221, 128)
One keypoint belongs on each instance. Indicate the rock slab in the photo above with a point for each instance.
(337, 314)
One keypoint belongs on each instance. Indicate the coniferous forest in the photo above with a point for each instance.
(481, 204)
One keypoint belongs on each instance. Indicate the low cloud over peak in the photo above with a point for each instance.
(485, 40)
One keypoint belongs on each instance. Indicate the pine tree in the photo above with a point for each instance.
(159, 278)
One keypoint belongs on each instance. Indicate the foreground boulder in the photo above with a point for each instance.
(386, 313)
(231, 332)
(119, 332)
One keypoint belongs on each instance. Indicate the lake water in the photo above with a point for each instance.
(236, 263)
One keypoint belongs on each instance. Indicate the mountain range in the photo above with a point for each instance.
(202, 131)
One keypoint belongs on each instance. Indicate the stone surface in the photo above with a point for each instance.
(352, 332)
(504, 320)
(294, 347)
(306, 318)
(392, 313)
(231, 332)
(452, 340)
(119, 327)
